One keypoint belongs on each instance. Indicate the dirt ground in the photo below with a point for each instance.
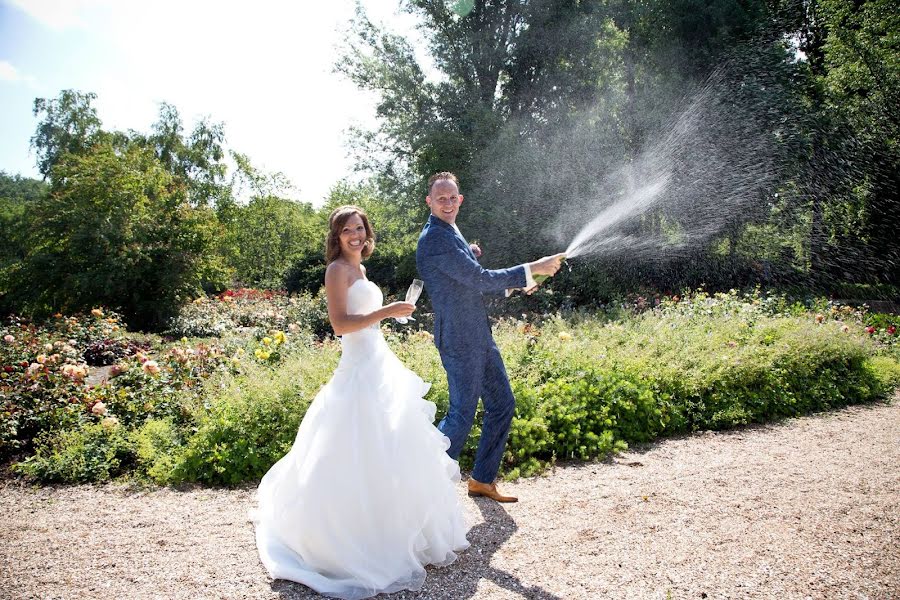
(807, 508)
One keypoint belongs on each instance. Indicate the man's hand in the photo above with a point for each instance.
(476, 249)
(547, 266)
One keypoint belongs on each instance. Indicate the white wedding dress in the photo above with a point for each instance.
(367, 494)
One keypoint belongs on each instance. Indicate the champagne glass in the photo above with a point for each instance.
(412, 295)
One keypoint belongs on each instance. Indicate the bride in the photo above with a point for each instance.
(366, 496)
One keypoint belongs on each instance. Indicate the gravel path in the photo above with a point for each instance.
(808, 508)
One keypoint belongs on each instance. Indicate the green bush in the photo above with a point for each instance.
(157, 445)
(116, 229)
(92, 452)
(254, 421)
(586, 385)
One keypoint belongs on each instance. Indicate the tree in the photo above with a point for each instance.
(18, 196)
(117, 230)
(196, 161)
(69, 125)
(268, 236)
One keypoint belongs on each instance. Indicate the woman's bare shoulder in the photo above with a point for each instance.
(338, 272)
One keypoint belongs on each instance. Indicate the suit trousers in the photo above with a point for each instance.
(470, 375)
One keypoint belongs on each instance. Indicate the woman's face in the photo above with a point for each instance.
(352, 237)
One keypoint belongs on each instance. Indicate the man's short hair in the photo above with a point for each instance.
(442, 176)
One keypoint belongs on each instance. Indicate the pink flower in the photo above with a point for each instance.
(76, 372)
(891, 330)
(8, 339)
(870, 330)
(151, 367)
(99, 409)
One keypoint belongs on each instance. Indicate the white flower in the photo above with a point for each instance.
(99, 409)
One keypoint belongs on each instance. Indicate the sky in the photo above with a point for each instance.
(263, 68)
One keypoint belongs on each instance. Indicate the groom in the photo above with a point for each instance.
(462, 333)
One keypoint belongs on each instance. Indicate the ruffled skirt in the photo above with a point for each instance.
(366, 497)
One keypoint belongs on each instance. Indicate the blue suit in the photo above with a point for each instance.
(462, 333)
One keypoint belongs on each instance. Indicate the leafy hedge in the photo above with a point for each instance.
(586, 385)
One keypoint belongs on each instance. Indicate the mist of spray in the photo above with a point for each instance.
(713, 162)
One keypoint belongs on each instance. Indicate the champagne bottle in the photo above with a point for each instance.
(540, 279)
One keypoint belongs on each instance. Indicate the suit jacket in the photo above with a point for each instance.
(456, 284)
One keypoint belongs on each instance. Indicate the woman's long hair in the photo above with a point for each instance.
(336, 222)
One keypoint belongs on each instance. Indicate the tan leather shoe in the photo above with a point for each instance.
(489, 490)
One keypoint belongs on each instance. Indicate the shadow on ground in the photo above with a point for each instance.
(461, 579)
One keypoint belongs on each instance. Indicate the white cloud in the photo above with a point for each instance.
(8, 72)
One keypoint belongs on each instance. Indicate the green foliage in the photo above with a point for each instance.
(68, 125)
(90, 453)
(115, 230)
(586, 384)
(252, 424)
(18, 196)
(536, 102)
(267, 236)
(157, 445)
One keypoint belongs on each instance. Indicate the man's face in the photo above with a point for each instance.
(444, 200)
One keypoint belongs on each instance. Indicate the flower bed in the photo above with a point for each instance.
(223, 409)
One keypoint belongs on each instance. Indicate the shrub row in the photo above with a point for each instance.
(586, 385)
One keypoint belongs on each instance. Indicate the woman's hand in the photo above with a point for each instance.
(399, 309)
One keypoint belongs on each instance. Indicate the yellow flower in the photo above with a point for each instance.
(565, 336)
(279, 337)
(184, 340)
(97, 312)
(258, 352)
(240, 351)
(267, 340)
